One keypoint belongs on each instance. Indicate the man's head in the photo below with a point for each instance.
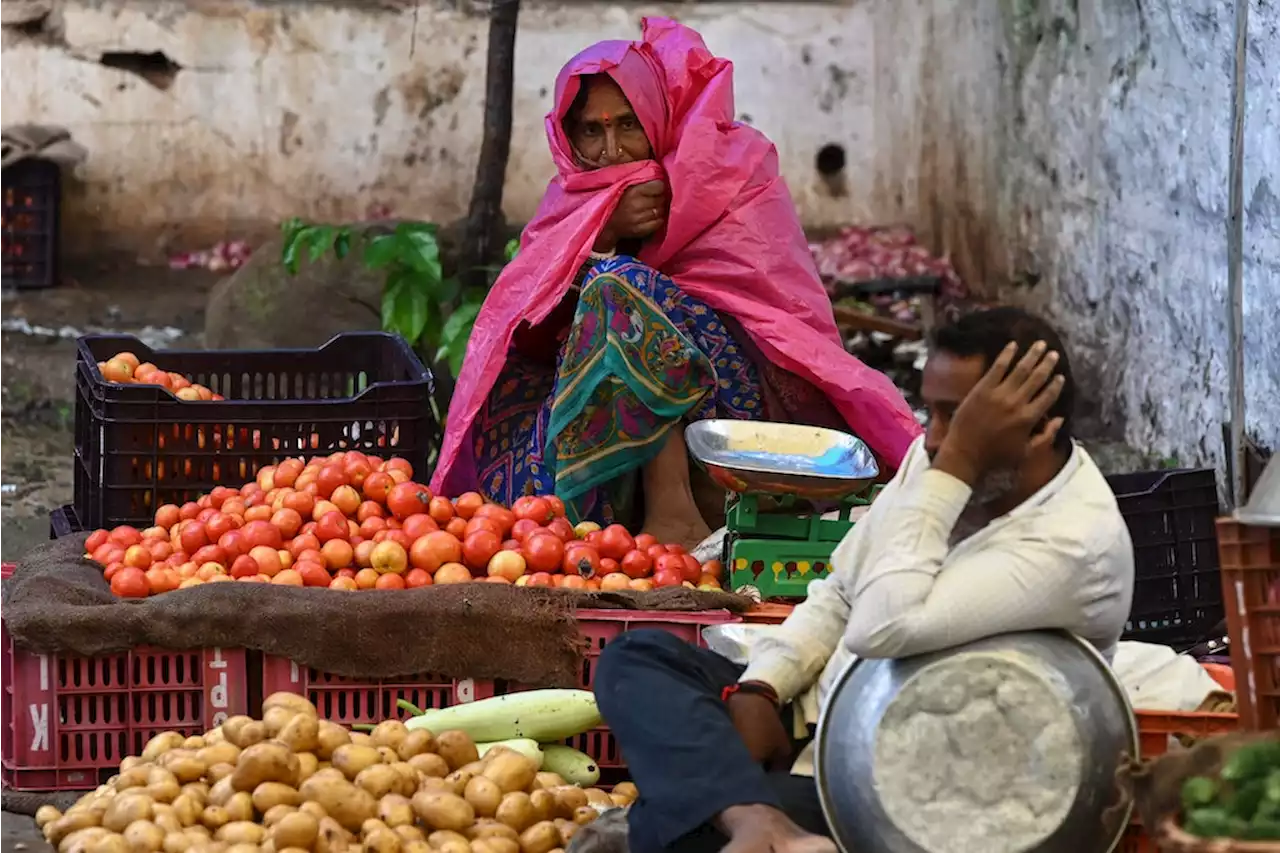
(963, 351)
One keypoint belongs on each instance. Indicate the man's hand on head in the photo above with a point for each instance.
(1000, 417)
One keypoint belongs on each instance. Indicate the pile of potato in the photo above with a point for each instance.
(292, 782)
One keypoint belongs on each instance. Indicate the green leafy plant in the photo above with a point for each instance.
(419, 302)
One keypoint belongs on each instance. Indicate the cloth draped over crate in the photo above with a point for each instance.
(57, 602)
(49, 142)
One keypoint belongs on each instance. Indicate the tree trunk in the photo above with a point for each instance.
(484, 230)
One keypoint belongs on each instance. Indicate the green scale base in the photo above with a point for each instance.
(776, 546)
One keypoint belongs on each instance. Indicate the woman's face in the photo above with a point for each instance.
(602, 126)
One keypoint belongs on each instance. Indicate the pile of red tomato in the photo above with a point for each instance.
(349, 521)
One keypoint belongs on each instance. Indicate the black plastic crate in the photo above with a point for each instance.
(63, 522)
(29, 232)
(139, 447)
(1172, 516)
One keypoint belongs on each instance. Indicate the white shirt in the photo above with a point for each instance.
(1061, 559)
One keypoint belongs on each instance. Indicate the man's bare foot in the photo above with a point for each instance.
(764, 829)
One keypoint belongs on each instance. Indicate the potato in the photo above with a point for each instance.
(332, 838)
(395, 810)
(80, 839)
(387, 755)
(619, 800)
(569, 798)
(186, 809)
(313, 808)
(360, 739)
(544, 779)
(485, 828)
(268, 795)
(567, 830)
(176, 842)
(389, 733)
(495, 845)
(544, 805)
(214, 735)
(125, 809)
(414, 743)
(240, 806)
(542, 837)
(275, 719)
(273, 815)
(243, 847)
(308, 764)
(328, 773)
(408, 832)
(379, 780)
(241, 832)
(214, 817)
(407, 778)
(444, 836)
(353, 758)
(371, 824)
(298, 704)
(160, 744)
(443, 811)
(511, 771)
(168, 822)
(627, 789)
(162, 787)
(134, 777)
(429, 764)
(516, 811)
(296, 829)
(475, 768)
(435, 785)
(457, 749)
(243, 731)
(301, 734)
(457, 781)
(110, 843)
(330, 737)
(221, 792)
(183, 764)
(381, 841)
(218, 772)
(46, 814)
(596, 797)
(264, 762)
(344, 802)
(143, 836)
(484, 795)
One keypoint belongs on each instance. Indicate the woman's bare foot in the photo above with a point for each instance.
(671, 514)
(764, 829)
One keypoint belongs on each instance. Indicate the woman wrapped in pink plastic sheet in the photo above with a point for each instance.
(665, 278)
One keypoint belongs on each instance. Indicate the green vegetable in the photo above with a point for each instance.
(1255, 761)
(528, 748)
(541, 715)
(1198, 791)
(574, 767)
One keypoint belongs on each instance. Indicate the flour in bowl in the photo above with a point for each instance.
(977, 752)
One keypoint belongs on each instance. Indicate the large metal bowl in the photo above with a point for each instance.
(759, 457)
(1074, 674)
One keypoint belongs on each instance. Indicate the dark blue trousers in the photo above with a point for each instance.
(661, 697)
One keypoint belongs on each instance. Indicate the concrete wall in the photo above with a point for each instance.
(1069, 154)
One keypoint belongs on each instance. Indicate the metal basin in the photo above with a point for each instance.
(933, 716)
(782, 459)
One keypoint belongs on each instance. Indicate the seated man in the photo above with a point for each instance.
(997, 521)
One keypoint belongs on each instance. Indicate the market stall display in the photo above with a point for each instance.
(293, 780)
(350, 521)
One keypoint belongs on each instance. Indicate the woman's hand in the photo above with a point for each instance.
(641, 212)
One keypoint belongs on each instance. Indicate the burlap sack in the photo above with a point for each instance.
(58, 602)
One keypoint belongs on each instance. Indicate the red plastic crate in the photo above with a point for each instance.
(1251, 588)
(69, 720)
(352, 700)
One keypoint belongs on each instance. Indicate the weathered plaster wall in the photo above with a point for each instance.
(1069, 154)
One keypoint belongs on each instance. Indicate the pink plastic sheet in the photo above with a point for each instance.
(733, 240)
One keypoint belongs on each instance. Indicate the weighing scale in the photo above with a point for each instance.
(792, 494)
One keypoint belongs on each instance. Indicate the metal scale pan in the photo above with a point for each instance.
(757, 457)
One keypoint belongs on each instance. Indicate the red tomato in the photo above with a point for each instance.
(302, 542)
(96, 540)
(313, 574)
(483, 523)
(581, 559)
(511, 545)
(540, 579)
(331, 476)
(261, 533)
(637, 564)
(418, 525)
(669, 563)
(416, 577)
(478, 549)
(468, 504)
(544, 552)
(406, 499)
(124, 536)
(217, 524)
(609, 566)
(193, 536)
(537, 509)
(332, 525)
(655, 551)
(377, 486)
(615, 542)
(557, 505)
(692, 570)
(505, 517)
(522, 528)
(562, 528)
(667, 578)
(674, 549)
(207, 554)
(128, 582)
